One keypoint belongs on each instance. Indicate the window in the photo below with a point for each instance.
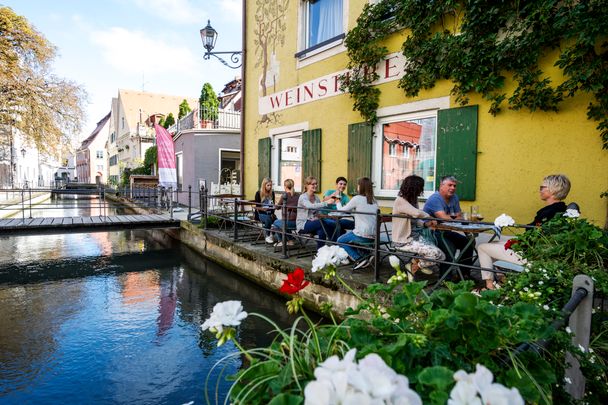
(179, 166)
(100, 168)
(113, 137)
(99, 154)
(230, 164)
(113, 160)
(414, 135)
(289, 159)
(322, 22)
(123, 122)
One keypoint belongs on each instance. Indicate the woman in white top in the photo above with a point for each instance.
(306, 219)
(365, 222)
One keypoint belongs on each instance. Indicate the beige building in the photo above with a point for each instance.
(130, 127)
(91, 159)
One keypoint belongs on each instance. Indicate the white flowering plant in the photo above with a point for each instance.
(504, 220)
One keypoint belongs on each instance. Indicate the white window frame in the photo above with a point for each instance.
(403, 112)
(219, 161)
(276, 134)
(328, 50)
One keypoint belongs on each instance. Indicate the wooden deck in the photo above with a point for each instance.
(34, 226)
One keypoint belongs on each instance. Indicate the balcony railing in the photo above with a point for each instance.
(223, 119)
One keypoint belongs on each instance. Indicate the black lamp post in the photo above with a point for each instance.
(23, 152)
(209, 37)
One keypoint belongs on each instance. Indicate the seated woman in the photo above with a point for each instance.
(306, 219)
(553, 190)
(406, 235)
(290, 199)
(264, 208)
(339, 195)
(365, 207)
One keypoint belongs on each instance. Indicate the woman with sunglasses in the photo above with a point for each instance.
(552, 191)
(307, 221)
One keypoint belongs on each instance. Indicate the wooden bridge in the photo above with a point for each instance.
(37, 226)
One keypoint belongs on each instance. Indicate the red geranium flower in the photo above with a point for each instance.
(294, 282)
(510, 243)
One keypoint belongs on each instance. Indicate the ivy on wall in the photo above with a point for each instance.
(479, 45)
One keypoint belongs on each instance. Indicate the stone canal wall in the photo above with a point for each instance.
(265, 270)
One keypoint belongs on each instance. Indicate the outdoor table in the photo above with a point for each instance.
(471, 231)
(335, 217)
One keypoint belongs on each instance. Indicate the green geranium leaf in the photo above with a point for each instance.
(438, 377)
(466, 303)
(286, 399)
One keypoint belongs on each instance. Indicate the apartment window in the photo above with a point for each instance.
(99, 154)
(113, 137)
(290, 160)
(417, 135)
(179, 166)
(113, 160)
(123, 122)
(323, 21)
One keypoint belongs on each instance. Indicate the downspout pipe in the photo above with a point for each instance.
(243, 96)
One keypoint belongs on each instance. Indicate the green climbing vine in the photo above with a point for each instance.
(479, 45)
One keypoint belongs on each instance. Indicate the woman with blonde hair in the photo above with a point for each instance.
(552, 191)
(306, 219)
(264, 207)
(290, 199)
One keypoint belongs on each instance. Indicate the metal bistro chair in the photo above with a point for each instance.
(384, 245)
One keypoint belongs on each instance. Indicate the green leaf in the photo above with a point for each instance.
(286, 399)
(438, 377)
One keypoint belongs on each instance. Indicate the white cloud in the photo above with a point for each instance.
(178, 11)
(134, 52)
(233, 9)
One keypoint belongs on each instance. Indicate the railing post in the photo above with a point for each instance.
(236, 217)
(204, 204)
(284, 217)
(189, 201)
(171, 202)
(580, 324)
(30, 193)
(22, 205)
(377, 246)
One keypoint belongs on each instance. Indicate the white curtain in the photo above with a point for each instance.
(329, 20)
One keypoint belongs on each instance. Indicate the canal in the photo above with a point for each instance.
(115, 317)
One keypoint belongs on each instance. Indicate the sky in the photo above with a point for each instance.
(152, 45)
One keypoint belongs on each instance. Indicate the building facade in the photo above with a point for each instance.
(91, 156)
(299, 122)
(131, 131)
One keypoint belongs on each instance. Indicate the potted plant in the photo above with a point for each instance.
(209, 105)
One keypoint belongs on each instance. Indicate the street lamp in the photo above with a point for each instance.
(23, 152)
(209, 37)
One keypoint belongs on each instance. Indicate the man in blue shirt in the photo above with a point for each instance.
(444, 204)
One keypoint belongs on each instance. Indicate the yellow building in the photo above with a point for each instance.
(298, 122)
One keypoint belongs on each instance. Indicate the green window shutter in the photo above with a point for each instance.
(359, 154)
(264, 145)
(311, 155)
(457, 148)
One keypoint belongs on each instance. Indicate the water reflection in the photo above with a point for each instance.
(114, 318)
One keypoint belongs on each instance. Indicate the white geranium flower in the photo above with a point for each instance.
(581, 348)
(328, 256)
(572, 213)
(395, 262)
(567, 380)
(370, 381)
(227, 313)
(504, 220)
(477, 388)
(568, 330)
(497, 394)
(546, 307)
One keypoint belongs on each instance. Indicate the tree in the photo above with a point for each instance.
(184, 109)
(170, 120)
(46, 109)
(151, 157)
(209, 103)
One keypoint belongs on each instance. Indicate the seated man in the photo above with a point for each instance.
(339, 196)
(444, 204)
